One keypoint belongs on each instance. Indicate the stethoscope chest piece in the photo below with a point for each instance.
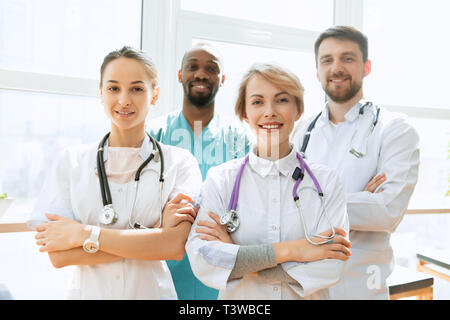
(108, 215)
(231, 220)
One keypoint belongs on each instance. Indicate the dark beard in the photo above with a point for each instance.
(201, 101)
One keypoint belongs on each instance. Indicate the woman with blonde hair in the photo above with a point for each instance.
(270, 226)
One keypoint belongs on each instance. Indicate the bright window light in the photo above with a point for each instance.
(68, 37)
(304, 14)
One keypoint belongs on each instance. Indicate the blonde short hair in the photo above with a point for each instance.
(275, 74)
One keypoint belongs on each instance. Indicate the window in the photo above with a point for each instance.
(409, 75)
(50, 55)
(407, 45)
(414, 45)
(238, 58)
(68, 38)
(34, 127)
(302, 14)
(260, 31)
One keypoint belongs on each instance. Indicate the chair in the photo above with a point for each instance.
(437, 258)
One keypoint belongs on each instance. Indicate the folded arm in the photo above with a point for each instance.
(62, 237)
(399, 161)
(148, 244)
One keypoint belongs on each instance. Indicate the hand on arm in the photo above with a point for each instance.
(375, 182)
(177, 210)
(213, 230)
(62, 239)
(60, 233)
(298, 250)
(303, 251)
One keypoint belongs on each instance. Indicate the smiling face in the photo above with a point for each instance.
(271, 114)
(201, 76)
(341, 69)
(127, 93)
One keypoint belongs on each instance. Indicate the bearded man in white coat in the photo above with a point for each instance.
(375, 153)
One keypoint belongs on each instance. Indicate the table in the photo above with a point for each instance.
(404, 283)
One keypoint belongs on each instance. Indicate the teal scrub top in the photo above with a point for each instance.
(223, 139)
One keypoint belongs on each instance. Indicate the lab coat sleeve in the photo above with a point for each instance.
(188, 177)
(55, 193)
(317, 275)
(399, 160)
(211, 261)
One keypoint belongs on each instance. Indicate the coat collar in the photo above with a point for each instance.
(265, 167)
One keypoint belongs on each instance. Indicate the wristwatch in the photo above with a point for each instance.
(92, 245)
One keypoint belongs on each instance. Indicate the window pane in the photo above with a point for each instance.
(407, 41)
(33, 129)
(238, 59)
(68, 37)
(310, 15)
(434, 169)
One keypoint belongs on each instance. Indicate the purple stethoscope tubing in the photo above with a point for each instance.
(304, 167)
(237, 184)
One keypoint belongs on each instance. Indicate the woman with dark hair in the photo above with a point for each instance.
(97, 196)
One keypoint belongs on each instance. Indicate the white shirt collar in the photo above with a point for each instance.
(265, 167)
(350, 116)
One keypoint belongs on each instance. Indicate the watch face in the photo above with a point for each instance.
(90, 246)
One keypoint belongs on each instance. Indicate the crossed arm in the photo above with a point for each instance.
(63, 238)
(265, 260)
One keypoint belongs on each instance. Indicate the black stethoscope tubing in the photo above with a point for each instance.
(104, 185)
(313, 124)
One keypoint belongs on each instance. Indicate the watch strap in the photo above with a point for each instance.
(95, 233)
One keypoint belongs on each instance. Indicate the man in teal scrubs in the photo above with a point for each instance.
(210, 137)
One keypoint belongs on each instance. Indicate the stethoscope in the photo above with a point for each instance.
(231, 218)
(108, 216)
(353, 150)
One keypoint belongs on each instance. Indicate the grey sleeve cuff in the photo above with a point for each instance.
(276, 274)
(253, 259)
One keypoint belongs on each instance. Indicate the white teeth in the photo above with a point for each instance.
(272, 126)
(124, 113)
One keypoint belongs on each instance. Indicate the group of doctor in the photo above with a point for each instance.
(299, 210)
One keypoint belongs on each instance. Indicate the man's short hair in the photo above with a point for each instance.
(344, 33)
(208, 48)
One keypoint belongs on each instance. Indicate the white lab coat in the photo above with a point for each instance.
(392, 148)
(267, 215)
(72, 189)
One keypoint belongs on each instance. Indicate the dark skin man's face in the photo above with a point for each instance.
(201, 76)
